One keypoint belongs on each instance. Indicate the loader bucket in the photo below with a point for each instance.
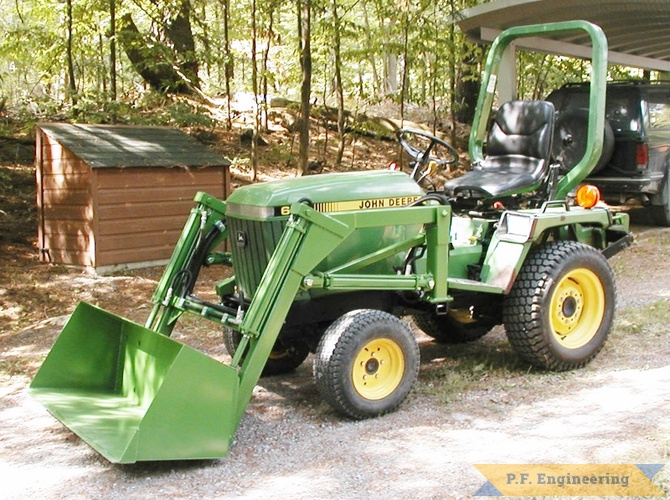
(133, 394)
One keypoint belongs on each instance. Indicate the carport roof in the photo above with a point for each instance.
(638, 31)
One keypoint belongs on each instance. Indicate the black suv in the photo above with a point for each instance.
(636, 151)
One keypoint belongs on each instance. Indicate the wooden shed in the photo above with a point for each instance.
(118, 196)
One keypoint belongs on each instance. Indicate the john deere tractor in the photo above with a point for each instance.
(329, 263)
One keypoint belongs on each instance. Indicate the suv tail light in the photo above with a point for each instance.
(642, 156)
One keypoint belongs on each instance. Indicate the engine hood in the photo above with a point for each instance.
(325, 192)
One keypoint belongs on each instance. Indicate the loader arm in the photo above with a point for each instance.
(308, 238)
(133, 393)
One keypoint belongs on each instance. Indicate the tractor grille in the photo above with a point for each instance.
(252, 243)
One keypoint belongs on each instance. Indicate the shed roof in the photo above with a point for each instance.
(637, 30)
(132, 146)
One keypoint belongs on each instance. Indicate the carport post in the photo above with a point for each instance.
(507, 75)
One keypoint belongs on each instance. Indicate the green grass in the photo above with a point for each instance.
(650, 319)
(448, 373)
(467, 367)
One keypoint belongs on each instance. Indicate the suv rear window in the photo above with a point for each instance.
(620, 109)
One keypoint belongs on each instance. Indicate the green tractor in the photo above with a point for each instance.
(329, 263)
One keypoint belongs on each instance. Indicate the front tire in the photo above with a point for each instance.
(561, 307)
(366, 363)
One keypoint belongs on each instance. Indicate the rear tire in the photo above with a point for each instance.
(284, 358)
(366, 363)
(451, 328)
(561, 307)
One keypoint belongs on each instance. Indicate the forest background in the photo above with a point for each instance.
(185, 62)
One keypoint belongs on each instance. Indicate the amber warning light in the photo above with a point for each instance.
(588, 196)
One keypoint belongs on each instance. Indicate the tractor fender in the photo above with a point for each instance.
(502, 263)
(519, 231)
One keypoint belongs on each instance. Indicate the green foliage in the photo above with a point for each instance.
(539, 74)
(33, 66)
(157, 109)
(389, 50)
(186, 115)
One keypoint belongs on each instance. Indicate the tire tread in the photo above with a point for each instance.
(522, 313)
(332, 358)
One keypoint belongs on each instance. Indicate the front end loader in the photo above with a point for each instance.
(329, 263)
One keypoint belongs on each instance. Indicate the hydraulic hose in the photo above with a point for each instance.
(202, 248)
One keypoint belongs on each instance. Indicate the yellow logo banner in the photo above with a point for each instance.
(569, 480)
(368, 204)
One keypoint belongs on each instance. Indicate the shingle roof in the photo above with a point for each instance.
(132, 146)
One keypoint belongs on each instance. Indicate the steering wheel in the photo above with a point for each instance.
(422, 157)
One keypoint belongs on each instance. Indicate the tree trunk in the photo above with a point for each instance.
(228, 65)
(112, 52)
(391, 70)
(180, 34)
(266, 58)
(71, 84)
(304, 18)
(149, 59)
(101, 73)
(370, 55)
(405, 68)
(254, 87)
(467, 88)
(390, 57)
(337, 56)
(452, 79)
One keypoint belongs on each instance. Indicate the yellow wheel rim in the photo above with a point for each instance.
(577, 308)
(462, 315)
(378, 369)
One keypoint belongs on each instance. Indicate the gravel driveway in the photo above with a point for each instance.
(291, 445)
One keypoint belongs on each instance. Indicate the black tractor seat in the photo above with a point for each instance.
(518, 153)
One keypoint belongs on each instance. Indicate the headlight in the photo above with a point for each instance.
(516, 227)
